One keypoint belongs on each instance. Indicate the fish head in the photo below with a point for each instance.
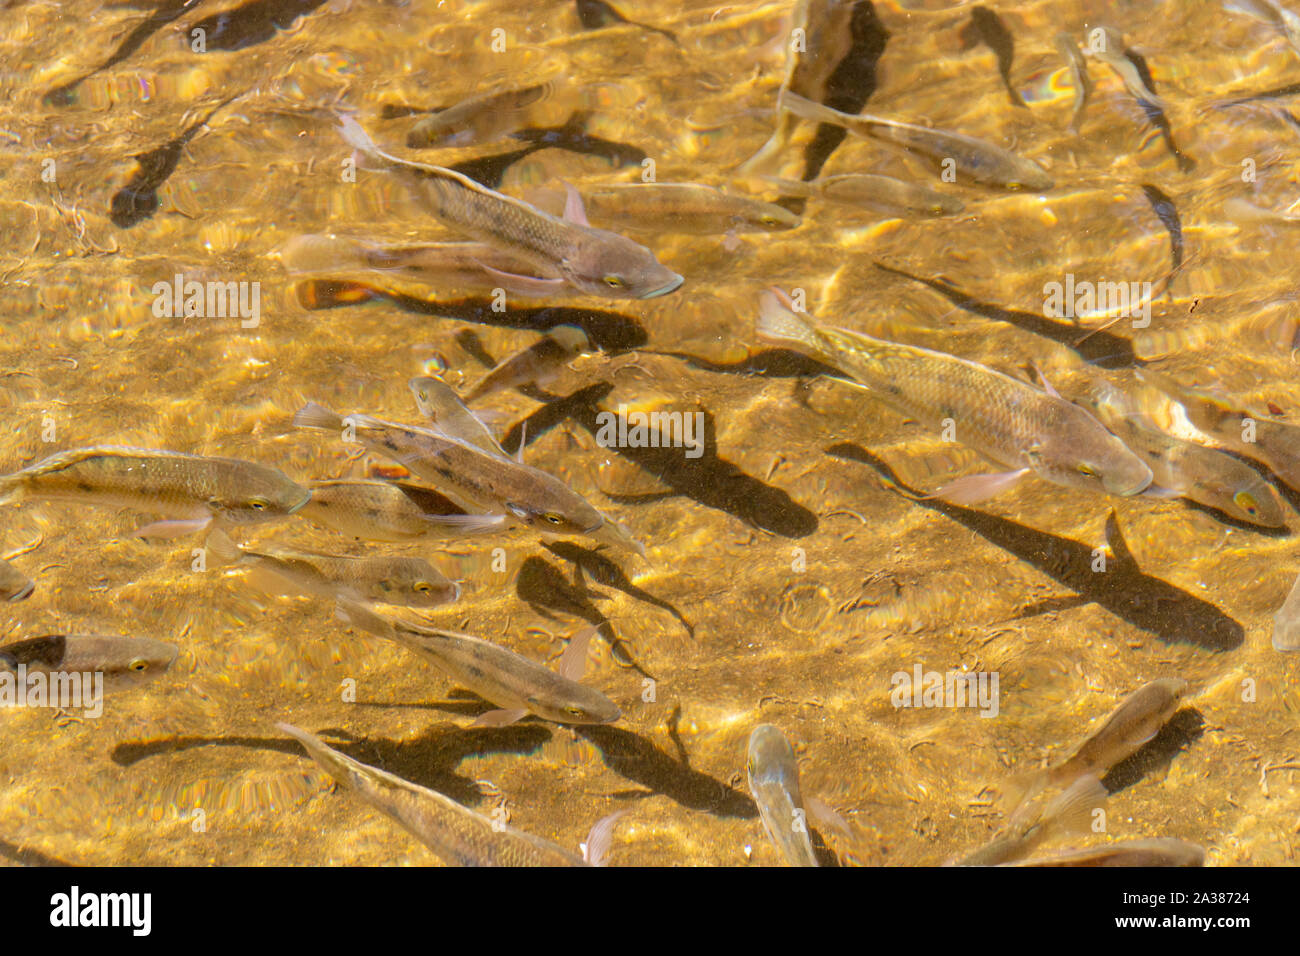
(1029, 175)
(553, 508)
(137, 661)
(578, 705)
(1255, 503)
(256, 493)
(610, 265)
(1078, 452)
(413, 582)
(772, 218)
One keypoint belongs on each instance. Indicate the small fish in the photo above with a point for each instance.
(594, 260)
(477, 480)
(595, 14)
(1276, 444)
(370, 510)
(1167, 212)
(1006, 420)
(372, 578)
(138, 199)
(125, 662)
(537, 365)
(193, 489)
(14, 585)
(517, 685)
(1163, 851)
(458, 835)
(980, 160)
(1078, 75)
(687, 208)
(987, 27)
(479, 119)
(774, 783)
(440, 404)
(879, 193)
(1286, 622)
(1181, 467)
(1129, 727)
(1286, 23)
(1070, 811)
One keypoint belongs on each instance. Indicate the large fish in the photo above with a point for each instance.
(124, 662)
(774, 783)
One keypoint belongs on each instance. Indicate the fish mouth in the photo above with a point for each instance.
(306, 498)
(23, 593)
(672, 286)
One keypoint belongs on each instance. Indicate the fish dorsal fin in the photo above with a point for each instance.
(573, 662)
(574, 210)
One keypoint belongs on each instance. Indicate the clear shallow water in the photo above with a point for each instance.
(886, 583)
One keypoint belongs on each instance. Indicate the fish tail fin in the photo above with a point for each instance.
(1071, 810)
(1016, 790)
(355, 136)
(805, 108)
(780, 324)
(312, 415)
(600, 837)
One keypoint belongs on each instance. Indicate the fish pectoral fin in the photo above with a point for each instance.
(827, 817)
(573, 662)
(974, 489)
(273, 583)
(499, 718)
(574, 210)
(599, 837)
(1156, 491)
(173, 529)
(521, 284)
(467, 524)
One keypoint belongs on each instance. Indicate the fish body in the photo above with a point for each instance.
(1108, 46)
(879, 193)
(14, 584)
(774, 783)
(1074, 59)
(987, 27)
(594, 260)
(1036, 821)
(440, 404)
(478, 119)
(168, 483)
(397, 511)
(1162, 851)
(690, 208)
(125, 662)
(458, 835)
(1006, 420)
(536, 365)
(976, 158)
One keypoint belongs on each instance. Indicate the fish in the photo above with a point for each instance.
(138, 199)
(372, 578)
(1286, 23)
(1070, 811)
(980, 160)
(1204, 475)
(1286, 622)
(1008, 421)
(516, 684)
(478, 119)
(821, 37)
(1069, 50)
(440, 404)
(987, 27)
(125, 662)
(195, 490)
(594, 260)
(1129, 727)
(686, 208)
(447, 265)
(879, 193)
(1108, 46)
(1162, 851)
(774, 783)
(538, 365)
(397, 511)
(1167, 212)
(595, 14)
(456, 834)
(14, 584)
(1276, 444)
(477, 480)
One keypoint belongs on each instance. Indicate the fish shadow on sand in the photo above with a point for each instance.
(594, 565)
(25, 856)
(607, 331)
(1184, 728)
(769, 363)
(642, 762)
(428, 760)
(1146, 602)
(1101, 348)
(707, 480)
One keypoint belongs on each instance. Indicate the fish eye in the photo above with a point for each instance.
(138, 665)
(574, 711)
(1246, 501)
(258, 504)
(423, 587)
(614, 282)
(1087, 471)
(769, 220)
(553, 518)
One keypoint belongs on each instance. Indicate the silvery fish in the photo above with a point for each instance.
(1162, 851)
(1184, 468)
(1035, 822)
(517, 685)
(14, 585)
(1286, 622)
(440, 404)
(1006, 420)
(479, 119)
(1129, 727)
(125, 662)
(689, 208)
(980, 160)
(774, 783)
(370, 510)
(1078, 74)
(457, 834)
(537, 365)
(594, 260)
(1107, 45)
(879, 193)
(192, 489)
(477, 480)
(375, 578)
